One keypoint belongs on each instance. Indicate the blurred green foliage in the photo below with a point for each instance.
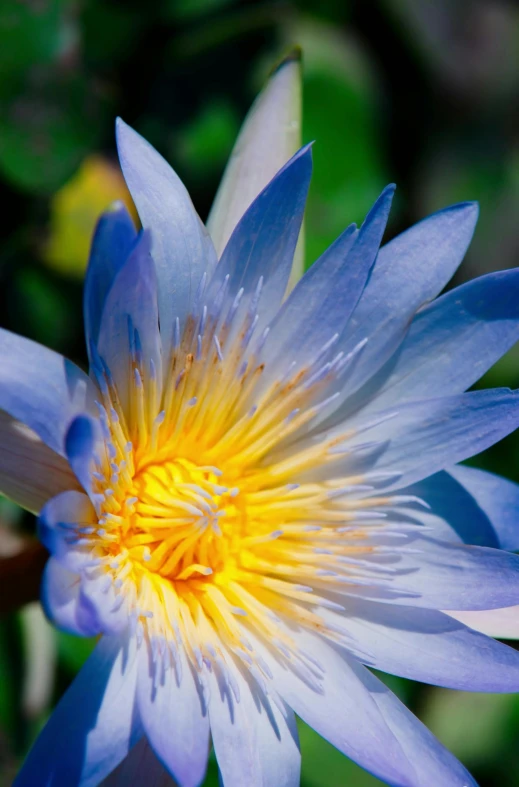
(411, 91)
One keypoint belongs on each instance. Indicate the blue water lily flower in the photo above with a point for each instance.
(253, 497)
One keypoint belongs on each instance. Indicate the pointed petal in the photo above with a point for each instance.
(323, 301)
(453, 514)
(41, 389)
(501, 623)
(429, 435)
(91, 730)
(451, 342)
(431, 762)
(174, 717)
(63, 602)
(263, 243)
(340, 709)
(130, 322)
(30, 472)
(270, 135)
(497, 497)
(255, 742)
(428, 646)
(114, 238)
(363, 719)
(140, 766)
(410, 271)
(182, 249)
(439, 575)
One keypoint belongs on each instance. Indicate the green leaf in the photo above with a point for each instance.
(33, 33)
(188, 9)
(46, 130)
(47, 312)
(206, 142)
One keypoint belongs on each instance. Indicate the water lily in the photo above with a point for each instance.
(253, 497)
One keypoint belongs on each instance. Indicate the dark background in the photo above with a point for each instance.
(419, 92)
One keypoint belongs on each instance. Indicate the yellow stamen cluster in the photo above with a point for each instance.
(203, 523)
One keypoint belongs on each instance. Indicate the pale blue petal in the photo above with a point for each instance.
(264, 241)
(182, 249)
(92, 728)
(432, 763)
(30, 472)
(107, 604)
(140, 767)
(421, 438)
(341, 709)
(63, 602)
(451, 343)
(270, 135)
(130, 322)
(501, 623)
(410, 270)
(453, 513)
(57, 527)
(498, 498)
(255, 743)
(113, 241)
(174, 716)
(440, 575)
(41, 388)
(363, 719)
(428, 646)
(322, 302)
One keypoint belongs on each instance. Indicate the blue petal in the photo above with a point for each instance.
(364, 720)
(108, 607)
(264, 241)
(445, 576)
(63, 602)
(451, 343)
(130, 322)
(255, 743)
(410, 271)
(498, 498)
(92, 728)
(431, 763)
(40, 388)
(174, 717)
(502, 623)
(182, 248)
(322, 302)
(339, 708)
(426, 645)
(80, 443)
(270, 134)
(454, 514)
(57, 523)
(30, 472)
(113, 240)
(427, 436)
(140, 767)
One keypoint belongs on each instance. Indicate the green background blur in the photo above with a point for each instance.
(420, 92)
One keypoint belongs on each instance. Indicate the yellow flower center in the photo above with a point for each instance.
(208, 524)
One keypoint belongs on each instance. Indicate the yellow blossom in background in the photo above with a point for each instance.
(75, 209)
